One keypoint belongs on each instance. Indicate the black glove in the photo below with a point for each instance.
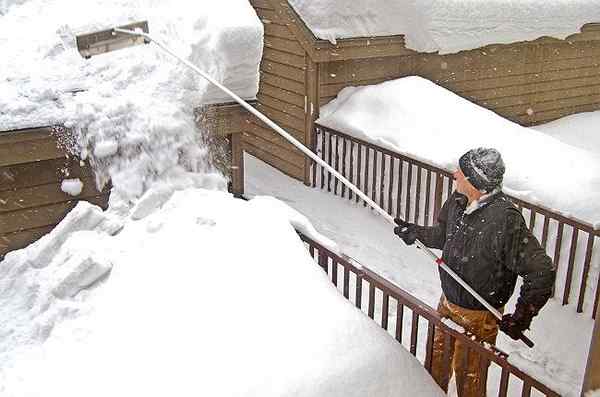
(514, 324)
(406, 231)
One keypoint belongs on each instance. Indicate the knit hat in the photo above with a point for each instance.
(483, 167)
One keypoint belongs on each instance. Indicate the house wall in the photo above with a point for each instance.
(529, 83)
(282, 96)
(32, 167)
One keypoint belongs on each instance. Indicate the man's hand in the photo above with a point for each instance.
(406, 231)
(514, 324)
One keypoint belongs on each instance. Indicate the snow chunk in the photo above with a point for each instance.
(72, 187)
(416, 117)
(106, 148)
(447, 26)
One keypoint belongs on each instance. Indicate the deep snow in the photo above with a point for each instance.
(202, 294)
(131, 111)
(581, 130)
(447, 26)
(368, 238)
(416, 117)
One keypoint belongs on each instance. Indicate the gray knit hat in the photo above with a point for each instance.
(483, 167)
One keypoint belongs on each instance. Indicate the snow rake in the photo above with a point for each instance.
(121, 37)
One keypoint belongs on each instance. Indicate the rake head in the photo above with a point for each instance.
(103, 41)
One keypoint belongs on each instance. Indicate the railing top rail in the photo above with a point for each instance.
(571, 221)
(492, 353)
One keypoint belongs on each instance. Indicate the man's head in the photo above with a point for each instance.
(479, 170)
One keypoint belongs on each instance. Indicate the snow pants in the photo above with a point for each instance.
(470, 374)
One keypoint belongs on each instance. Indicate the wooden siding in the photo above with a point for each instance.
(529, 82)
(282, 95)
(32, 167)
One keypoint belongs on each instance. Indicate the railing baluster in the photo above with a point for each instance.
(385, 309)
(429, 347)
(367, 170)
(572, 253)
(337, 163)
(586, 268)
(463, 375)
(414, 335)
(382, 182)
(439, 192)
(374, 176)
(545, 229)
(390, 186)
(344, 165)
(329, 154)
(371, 300)
(334, 272)
(426, 219)
(358, 292)
(526, 392)
(449, 188)
(346, 282)
(323, 261)
(447, 360)
(399, 197)
(532, 216)
(504, 378)
(351, 170)
(557, 248)
(359, 173)
(408, 193)
(323, 152)
(399, 321)
(418, 196)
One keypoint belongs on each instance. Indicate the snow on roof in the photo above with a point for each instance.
(167, 307)
(137, 101)
(581, 130)
(447, 26)
(415, 116)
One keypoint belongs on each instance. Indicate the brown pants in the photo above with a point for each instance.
(468, 371)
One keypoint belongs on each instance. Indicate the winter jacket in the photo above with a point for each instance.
(488, 245)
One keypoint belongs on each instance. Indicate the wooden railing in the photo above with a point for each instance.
(413, 323)
(415, 191)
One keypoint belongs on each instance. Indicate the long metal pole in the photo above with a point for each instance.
(317, 159)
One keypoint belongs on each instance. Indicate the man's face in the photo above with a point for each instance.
(463, 186)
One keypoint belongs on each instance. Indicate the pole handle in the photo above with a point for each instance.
(527, 341)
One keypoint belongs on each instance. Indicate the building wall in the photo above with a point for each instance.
(281, 97)
(32, 167)
(529, 83)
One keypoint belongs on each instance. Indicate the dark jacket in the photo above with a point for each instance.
(488, 248)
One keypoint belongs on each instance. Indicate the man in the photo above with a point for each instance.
(485, 240)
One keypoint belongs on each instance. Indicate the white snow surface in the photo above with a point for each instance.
(130, 110)
(202, 295)
(72, 187)
(581, 130)
(447, 26)
(416, 117)
(369, 239)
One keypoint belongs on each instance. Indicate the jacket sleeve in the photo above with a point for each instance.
(435, 236)
(525, 256)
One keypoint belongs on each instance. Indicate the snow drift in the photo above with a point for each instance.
(416, 117)
(447, 26)
(162, 305)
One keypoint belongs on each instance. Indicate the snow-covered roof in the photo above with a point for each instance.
(167, 307)
(415, 116)
(127, 99)
(581, 130)
(447, 26)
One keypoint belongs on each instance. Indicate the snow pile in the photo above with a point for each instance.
(130, 110)
(447, 26)
(204, 295)
(72, 187)
(581, 130)
(414, 116)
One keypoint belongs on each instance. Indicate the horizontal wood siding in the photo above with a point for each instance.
(281, 97)
(32, 168)
(530, 83)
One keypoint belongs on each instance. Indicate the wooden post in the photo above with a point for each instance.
(591, 381)
(237, 165)
(311, 112)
